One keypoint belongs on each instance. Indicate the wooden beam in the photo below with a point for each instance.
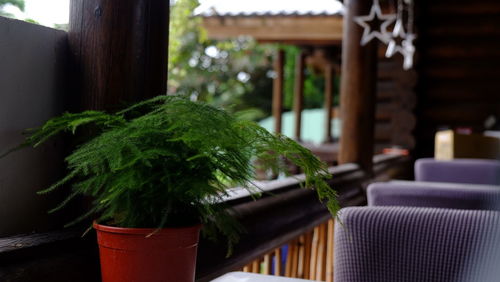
(308, 30)
(298, 98)
(119, 50)
(329, 74)
(359, 72)
(278, 91)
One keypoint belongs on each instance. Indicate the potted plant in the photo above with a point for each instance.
(158, 171)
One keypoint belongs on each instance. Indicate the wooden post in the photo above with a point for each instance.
(357, 97)
(329, 73)
(277, 262)
(301, 257)
(314, 254)
(320, 264)
(329, 251)
(119, 50)
(298, 98)
(256, 266)
(295, 258)
(267, 264)
(278, 90)
(289, 258)
(307, 259)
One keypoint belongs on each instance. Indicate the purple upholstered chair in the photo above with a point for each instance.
(416, 244)
(478, 171)
(434, 194)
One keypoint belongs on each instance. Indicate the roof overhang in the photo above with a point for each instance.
(317, 30)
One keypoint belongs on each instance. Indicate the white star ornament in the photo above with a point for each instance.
(393, 47)
(375, 14)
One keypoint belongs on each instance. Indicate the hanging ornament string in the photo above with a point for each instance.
(375, 24)
(401, 40)
(408, 45)
(398, 34)
(410, 16)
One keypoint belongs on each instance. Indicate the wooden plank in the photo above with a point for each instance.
(289, 259)
(465, 9)
(314, 254)
(359, 72)
(278, 90)
(114, 65)
(307, 254)
(467, 113)
(481, 70)
(256, 266)
(329, 251)
(13, 243)
(267, 264)
(295, 259)
(277, 262)
(442, 92)
(301, 257)
(320, 265)
(464, 52)
(298, 95)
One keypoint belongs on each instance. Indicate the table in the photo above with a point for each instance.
(252, 277)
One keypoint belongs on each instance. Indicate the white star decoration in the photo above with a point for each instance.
(375, 13)
(393, 47)
(407, 49)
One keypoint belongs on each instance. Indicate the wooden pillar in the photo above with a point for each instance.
(119, 50)
(358, 91)
(298, 98)
(329, 74)
(278, 90)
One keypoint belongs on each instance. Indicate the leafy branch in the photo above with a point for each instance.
(167, 162)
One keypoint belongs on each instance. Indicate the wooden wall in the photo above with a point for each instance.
(395, 120)
(458, 66)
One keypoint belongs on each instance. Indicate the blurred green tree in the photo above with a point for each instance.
(16, 3)
(235, 74)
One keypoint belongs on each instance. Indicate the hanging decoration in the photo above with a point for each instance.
(375, 24)
(401, 40)
(409, 48)
(396, 42)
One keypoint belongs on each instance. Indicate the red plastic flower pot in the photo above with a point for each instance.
(143, 255)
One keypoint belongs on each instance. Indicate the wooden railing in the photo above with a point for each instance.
(289, 215)
(286, 215)
(309, 256)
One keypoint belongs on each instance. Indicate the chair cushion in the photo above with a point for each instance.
(416, 244)
(478, 171)
(434, 194)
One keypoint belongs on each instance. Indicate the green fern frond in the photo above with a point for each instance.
(168, 161)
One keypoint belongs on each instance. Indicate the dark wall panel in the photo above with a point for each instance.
(32, 83)
(458, 67)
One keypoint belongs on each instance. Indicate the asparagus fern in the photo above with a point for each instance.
(167, 162)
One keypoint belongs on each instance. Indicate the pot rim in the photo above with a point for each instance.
(142, 231)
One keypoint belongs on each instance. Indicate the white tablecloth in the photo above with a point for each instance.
(252, 277)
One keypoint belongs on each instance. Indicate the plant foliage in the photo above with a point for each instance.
(15, 3)
(167, 162)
